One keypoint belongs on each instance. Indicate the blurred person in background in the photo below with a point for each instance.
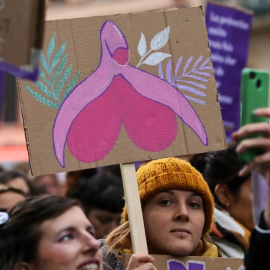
(9, 196)
(24, 168)
(112, 169)
(233, 197)
(18, 180)
(73, 177)
(47, 184)
(102, 200)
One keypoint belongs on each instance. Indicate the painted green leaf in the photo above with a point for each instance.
(62, 81)
(44, 62)
(51, 48)
(59, 70)
(43, 88)
(42, 99)
(57, 57)
(52, 73)
(43, 76)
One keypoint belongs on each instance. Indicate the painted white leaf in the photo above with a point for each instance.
(155, 58)
(142, 46)
(160, 39)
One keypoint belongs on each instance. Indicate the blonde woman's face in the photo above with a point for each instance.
(174, 221)
(68, 243)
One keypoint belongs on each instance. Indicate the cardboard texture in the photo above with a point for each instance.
(164, 262)
(143, 88)
(21, 33)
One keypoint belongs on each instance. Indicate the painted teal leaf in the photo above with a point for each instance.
(42, 99)
(44, 62)
(57, 57)
(51, 48)
(59, 70)
(62, 81)
(43, 88)
(71, 85)
(43, 76)
(50, 74)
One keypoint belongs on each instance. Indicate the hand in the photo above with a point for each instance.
(262, 161)
(141, 262)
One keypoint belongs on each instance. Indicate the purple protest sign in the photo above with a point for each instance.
(228, 32)
(191, 265)
(20, 72)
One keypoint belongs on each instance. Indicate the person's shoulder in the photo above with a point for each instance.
(103, 247)
(102, 242)
(110, 260)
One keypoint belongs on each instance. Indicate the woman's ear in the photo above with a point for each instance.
(23, 266)
(223, 194)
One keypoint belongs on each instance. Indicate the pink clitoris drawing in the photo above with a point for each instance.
(115, 94)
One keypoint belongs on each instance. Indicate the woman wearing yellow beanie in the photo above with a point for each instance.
(177, 209)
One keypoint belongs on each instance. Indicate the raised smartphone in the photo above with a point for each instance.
(254, 94)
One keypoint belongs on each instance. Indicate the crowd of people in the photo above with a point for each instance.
(201, 206)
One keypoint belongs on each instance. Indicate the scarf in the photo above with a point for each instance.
(231, 237)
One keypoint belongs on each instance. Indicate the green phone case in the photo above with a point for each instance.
(254, 94)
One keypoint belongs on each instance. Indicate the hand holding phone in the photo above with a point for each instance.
(254, 95)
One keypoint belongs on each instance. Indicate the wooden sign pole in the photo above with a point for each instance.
(134, 208)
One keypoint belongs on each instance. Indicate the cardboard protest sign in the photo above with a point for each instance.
(120, 89)
(163, 262)
(21, 36)
(228, 32)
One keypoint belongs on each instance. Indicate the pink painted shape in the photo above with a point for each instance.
(151, 126)
(162, 92)
(95, 130)
(114, 62)
(89, 89)
(121, 56)
(82, 95)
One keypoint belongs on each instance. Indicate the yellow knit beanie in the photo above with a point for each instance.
(173, 173)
